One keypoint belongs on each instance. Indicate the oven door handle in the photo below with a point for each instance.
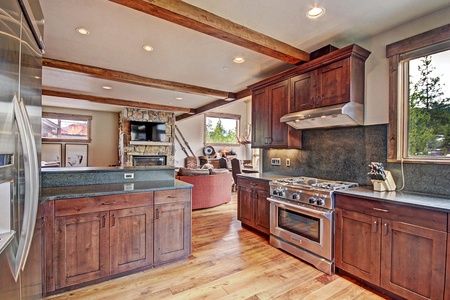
(325, 214)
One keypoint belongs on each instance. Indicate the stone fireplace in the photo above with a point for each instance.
(128, 149)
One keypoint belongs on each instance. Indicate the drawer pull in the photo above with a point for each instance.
(385, 229)
(157, 214)
(380, 209)
(171, 197)
(113, 220)
(109, 203)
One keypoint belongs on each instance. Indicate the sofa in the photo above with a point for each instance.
(212, 187)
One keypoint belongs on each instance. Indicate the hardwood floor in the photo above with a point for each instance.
(227, 262)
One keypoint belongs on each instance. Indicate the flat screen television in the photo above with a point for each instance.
(148, 131)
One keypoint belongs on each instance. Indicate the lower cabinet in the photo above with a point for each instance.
(253, 208)
(98, 237)
(401, 249)
(172, 225)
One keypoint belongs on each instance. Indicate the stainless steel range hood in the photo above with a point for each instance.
(340, 115)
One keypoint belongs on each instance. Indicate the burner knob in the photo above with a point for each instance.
(312, 200)
(296, 196)
(320, 202)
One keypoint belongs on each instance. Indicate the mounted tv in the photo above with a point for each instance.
(148, 131)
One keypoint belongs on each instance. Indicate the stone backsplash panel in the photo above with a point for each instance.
(127, 151)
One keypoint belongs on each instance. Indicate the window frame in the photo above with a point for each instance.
(222, 116)
(398, 53)
(61, 116)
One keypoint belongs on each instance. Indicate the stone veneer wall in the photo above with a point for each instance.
(127, 151)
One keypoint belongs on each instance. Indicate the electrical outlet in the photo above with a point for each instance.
(275, 161)
(288, 162)
(128, 175)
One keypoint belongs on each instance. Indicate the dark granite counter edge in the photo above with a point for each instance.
(401, 198)
(105, 169)
(262, 176)
(61, 193)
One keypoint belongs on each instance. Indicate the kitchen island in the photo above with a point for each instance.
(102, 223)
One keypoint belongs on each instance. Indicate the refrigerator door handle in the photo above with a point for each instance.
(31, 174)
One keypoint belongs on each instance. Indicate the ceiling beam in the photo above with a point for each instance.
(200, 20)
(114, 101)
(135, 79)
(210, 106)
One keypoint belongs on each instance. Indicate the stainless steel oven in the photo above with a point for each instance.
(302, 218)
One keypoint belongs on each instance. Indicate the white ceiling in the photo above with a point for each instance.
(117, 34)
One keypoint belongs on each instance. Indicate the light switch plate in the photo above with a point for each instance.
(275, 161)
(288, 162)
(128, 175)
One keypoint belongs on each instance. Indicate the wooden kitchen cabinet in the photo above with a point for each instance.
(172, 225)
(268, 106)
(253, 208)
(401, 249)
(95, 238)
(328, 85)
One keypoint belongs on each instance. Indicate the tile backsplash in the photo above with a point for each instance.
(345, 153)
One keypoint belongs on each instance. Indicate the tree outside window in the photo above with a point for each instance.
(221, 129)
(429, 106)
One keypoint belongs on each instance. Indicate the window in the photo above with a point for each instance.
(65, 128)
(419, 118)
(221, 129)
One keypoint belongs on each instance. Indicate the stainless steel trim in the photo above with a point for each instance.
(380, 209)
(347, 114)
(31, 174)
(315, 212)
(323, 248)
(320, 263)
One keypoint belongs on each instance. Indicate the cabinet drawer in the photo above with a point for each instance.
(101, 203)
(170, 196)
(403, 213)
(253, 183)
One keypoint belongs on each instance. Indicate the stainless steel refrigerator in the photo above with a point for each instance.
(20, 143)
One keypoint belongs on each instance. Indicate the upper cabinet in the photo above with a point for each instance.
(268, 106)
(335, 78)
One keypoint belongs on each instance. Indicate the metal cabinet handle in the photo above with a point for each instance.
(157, 214)
(171, 197)
(103, 220)
(385, 229)
(113, 220)
(380, 209)
(375, 226)
(109, 203)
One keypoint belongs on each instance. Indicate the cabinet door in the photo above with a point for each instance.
(245, 209)
(81, 248)
(131, 238)
(302, 92)
(278, 99)
(260, 118)
(333, 83)
(172, 231)
(413, 260)
(358, 244)
(262, 210)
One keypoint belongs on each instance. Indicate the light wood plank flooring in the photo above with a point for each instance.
(227, 262)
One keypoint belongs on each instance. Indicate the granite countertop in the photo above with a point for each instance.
(107, 169)
(68, 192)
(400, 197)
(263, 176)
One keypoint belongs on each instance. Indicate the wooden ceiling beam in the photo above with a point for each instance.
(135, 79)
(114, 101)
(200, 20)
(210, 106)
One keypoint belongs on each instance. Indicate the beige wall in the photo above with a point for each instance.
(103, 149)
(377, 65)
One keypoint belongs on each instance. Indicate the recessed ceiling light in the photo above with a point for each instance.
(225, 68)
(147, 48)
(82, 31)
(37, 77)
(179, 98)
(106, 87)
(239, 60)
(315, 12)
